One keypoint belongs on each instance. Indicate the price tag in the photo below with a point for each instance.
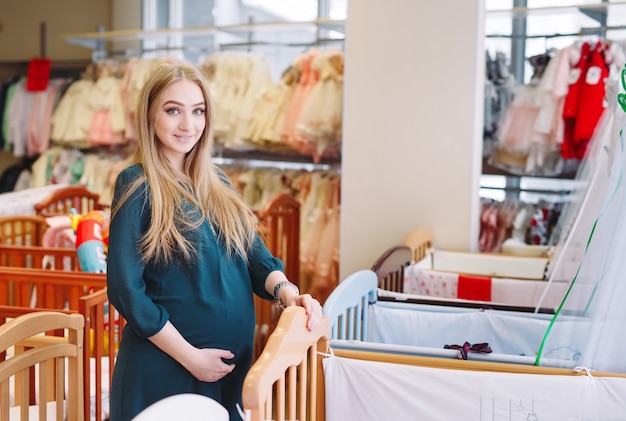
(38, 74)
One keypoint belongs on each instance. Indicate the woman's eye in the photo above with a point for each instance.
(198, 111)
(172, 111)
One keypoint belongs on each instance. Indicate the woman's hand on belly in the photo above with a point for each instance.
(207, 364)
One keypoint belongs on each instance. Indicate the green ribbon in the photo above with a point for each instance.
(621, 97)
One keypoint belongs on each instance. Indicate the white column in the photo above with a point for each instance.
(413, 112)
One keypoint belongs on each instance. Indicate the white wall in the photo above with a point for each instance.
(412, 134)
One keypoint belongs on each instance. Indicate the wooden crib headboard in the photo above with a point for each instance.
(286, 381)
(347, 306)
(61, 201)
(24, 230)
(420, 240)
(389, 267)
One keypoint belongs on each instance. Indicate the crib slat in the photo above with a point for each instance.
(23, 394)
(302, 389)
(60, 385)
(312, 376)
(343, 329)
(98, 345)
(364, 319)
(358, 310)
(291, 392)
(43, 390)
(4, 400)
(280, 399)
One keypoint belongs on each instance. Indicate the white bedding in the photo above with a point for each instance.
(511, 333)
(422, 280)
(366, 390)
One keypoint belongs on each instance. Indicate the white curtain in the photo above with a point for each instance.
(598, 287)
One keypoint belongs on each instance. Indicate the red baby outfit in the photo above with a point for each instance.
(584, 103)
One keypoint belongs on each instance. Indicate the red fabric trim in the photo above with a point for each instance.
(475, 288)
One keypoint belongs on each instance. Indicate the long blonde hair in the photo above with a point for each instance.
(200, 185)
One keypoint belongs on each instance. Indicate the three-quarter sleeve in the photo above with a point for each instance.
(125, 283)
(260, 264)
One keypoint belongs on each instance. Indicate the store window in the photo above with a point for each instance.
(279, 30)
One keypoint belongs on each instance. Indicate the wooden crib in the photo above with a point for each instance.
(300, 375)
(101, 335)
(410, 269)
(23, 333)
(366, 317)
(50, 278)
(286, 381)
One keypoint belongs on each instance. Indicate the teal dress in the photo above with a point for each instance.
(209, 301)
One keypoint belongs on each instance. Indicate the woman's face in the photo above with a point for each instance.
(180, 120)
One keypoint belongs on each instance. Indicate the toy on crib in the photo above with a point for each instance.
(92, 237)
